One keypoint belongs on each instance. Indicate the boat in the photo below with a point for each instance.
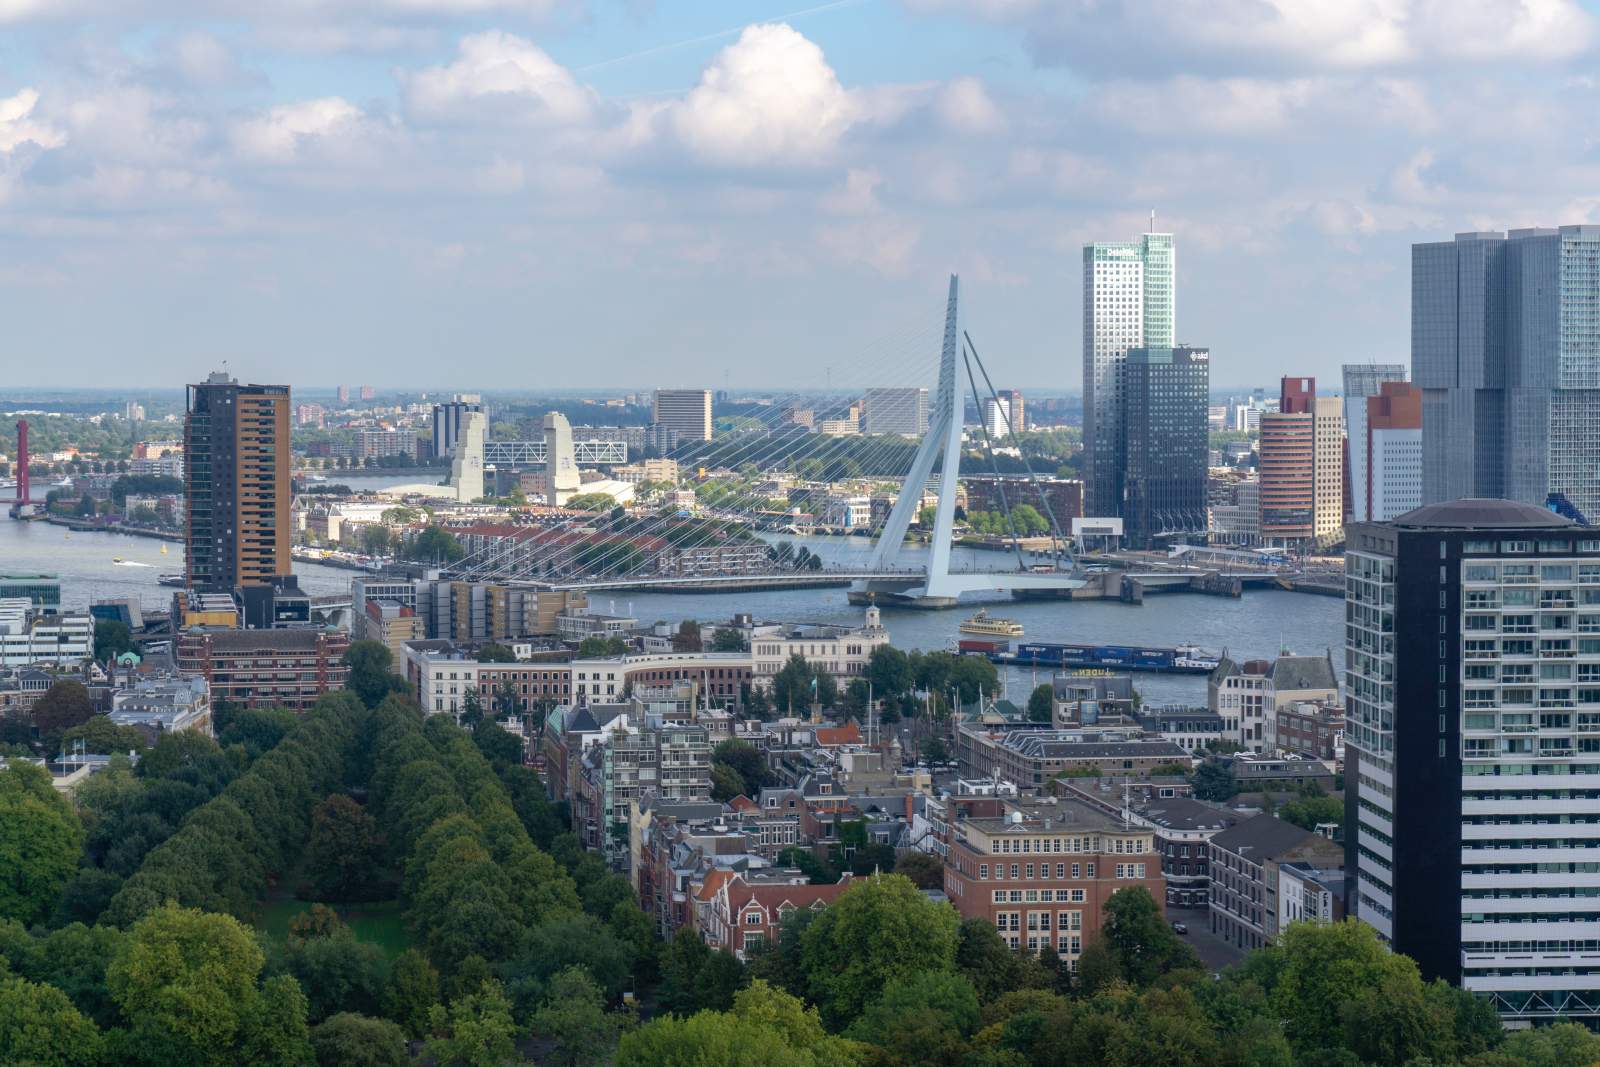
(173, 580)
(1184, 659)
(981, 623)
(118, 559)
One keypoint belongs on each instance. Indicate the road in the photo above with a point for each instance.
(1214, 952)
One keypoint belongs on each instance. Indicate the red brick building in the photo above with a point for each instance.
(1042, 871)
(266, 668)
(743, 917)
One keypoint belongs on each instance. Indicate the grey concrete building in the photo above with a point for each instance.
(1505, 344)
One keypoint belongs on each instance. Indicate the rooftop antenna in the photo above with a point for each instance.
(1152, 220)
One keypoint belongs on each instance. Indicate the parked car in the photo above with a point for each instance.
(1180, 928)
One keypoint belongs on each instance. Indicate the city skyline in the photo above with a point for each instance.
(396, 186)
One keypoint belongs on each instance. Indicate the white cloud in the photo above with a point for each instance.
(858, 196)
(18, 127)
(538, 10)
(500, 74)
(885, 245)
(279, 135)
(964, 105)
(1117, 35)
(769, 97)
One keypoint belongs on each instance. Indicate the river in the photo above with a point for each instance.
(1256, 625)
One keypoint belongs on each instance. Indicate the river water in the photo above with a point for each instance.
(1257, 625)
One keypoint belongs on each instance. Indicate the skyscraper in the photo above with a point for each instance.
(1129, 301)
(1505, 344)
(236, 489)
(1165, 442)
(901, 411)
(1386, 462)
(1302, 467)
(450, 420)
(686, 410)
(1361, 380)
(1470, 696)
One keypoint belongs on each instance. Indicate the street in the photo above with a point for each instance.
(1214, 952)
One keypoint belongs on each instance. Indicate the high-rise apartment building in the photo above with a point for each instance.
(236, 488)
(367, 392)
(687, 411)
(901, 411)
(1129, 301)
(1361, 380)
(1505, 344)
(1473, 705)
(997, 417)
(343, 394)
(1302, 467)
(1385, 472)
(1165, 442)
(1014, 404)
(450, 421)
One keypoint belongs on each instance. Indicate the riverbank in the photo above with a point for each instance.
(91, 526)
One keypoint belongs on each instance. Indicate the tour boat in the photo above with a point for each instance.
(981, 623)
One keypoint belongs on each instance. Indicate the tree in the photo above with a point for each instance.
(687, 639)
(375, 539)
(795, 685)
(1213, 780)
(275, 1033)
(925, 870)
(878, 930)
(726, 783)
(496, 653)
(413, 992)
(337, 973)
(350, 1040)
(747, 760)
(436, 545)
(766, 1027)
(40, 1027)
(592, 502)
(597, 647)
(575, 1016)
(64, 705)
(694, 978)
(187, 981)
(1041, 703)
(370, 676)
(991, 965)
(1141, 942)
(476, 1031)
(1324, 968)
(727, 639)
(345, 851)
(111, 638)
(101, 736)
(921, 1019)
(1309, 812)
(40, 838)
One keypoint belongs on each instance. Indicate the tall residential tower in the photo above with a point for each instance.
(236, 491)
(1129, 301)
(1473, 694)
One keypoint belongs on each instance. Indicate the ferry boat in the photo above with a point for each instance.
(1185, 659)
(172, 580)
(981, 623)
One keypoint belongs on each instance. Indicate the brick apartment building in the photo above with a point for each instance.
(1042, 871)
(266, 668)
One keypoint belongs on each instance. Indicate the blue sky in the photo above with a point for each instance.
(626, 193)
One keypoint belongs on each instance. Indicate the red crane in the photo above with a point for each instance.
(24, 496)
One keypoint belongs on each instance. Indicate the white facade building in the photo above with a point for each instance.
(28, 636)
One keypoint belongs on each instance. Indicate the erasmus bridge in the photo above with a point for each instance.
(727, 543)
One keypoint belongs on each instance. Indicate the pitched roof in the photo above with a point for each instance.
(1264, 836)
(716, 878)
(774, 897)
(1303, 672)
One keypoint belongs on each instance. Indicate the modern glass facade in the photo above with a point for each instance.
(1505, 344)
(1164, 446)
(1129, 301)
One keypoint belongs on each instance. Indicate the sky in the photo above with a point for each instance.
(618, 194)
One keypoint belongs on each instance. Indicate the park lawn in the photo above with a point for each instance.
(379, 923)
